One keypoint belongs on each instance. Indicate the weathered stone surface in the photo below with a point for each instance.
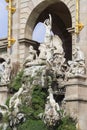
(3, 94)
(24, 20)
(76, 100)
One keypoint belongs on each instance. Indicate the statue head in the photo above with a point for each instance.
(31, 48)
(8, 61)
(47, 22)
(75, 49)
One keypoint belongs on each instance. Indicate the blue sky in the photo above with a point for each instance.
(3, 19)
(39, 31)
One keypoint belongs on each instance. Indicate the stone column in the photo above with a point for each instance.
(76, 100)
(82, 37)
(15, 32)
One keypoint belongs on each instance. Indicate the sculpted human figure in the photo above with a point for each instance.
(52, 100)
(55, 48)
(77, 65)
(15, 100)
(1, 68)
(57, 44)
(51, 115)
(48, 25)
(42, 49)
(1, 71)
(6, 71)
(78, 54)
(31, 56)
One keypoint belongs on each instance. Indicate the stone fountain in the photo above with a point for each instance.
(50, 70)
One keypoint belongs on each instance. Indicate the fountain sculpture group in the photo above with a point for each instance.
(53, 67)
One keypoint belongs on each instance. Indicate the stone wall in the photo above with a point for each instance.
(76, 100)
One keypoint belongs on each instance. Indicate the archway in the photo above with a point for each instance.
(61, 20)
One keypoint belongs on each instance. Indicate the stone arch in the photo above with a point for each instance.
(41, 6)
(62, 13)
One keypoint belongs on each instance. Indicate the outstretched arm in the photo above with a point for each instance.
(50, 18)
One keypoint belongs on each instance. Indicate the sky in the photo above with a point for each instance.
(3, 19)
(38, 33)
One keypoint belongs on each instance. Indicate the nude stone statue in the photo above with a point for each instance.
(78, 54)
(31, 57)
(48, 25)
(77, 65)
(51, 114)
(5, 77)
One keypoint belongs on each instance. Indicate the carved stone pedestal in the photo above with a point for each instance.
(3, 94)
(76, 100)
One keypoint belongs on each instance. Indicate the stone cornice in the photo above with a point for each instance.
(31, 42)
(77, 80)
(75, 99)
(4, 85)
(3, 43)
(81, 84)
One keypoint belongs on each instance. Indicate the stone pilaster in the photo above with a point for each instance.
(76, 100)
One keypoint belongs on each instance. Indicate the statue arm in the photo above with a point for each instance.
(45, 22)
(50, 18)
